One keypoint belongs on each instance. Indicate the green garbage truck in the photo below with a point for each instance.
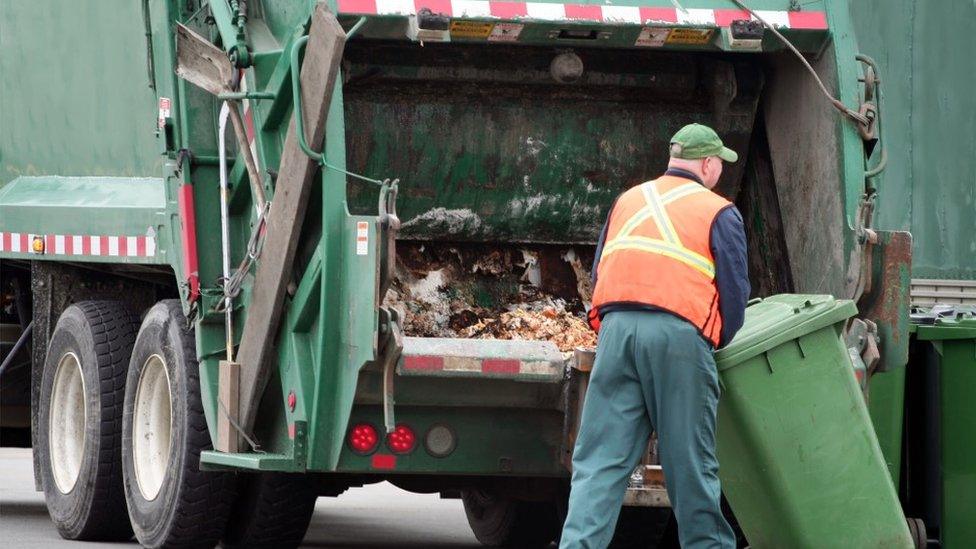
(257, 252)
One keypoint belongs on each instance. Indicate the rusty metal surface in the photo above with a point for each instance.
(647, 496)
(887, 300)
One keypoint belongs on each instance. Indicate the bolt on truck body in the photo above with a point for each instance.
(353, 127)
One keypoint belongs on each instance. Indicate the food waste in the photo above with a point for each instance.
(501, 293)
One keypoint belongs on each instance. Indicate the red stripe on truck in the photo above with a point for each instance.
(357, 6)
(500, 366)
(188, 237)
(667, 15)
(80, 245)
(810, 20)
(724, 18)
(423, 363)
(585, 12)
(508, 10)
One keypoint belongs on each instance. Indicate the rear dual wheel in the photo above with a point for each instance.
(171, 502)
(121, 432)
(272, 510)
(80, 416)
(499, 521)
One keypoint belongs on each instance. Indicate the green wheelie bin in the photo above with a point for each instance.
(799, 460)
(942, 433)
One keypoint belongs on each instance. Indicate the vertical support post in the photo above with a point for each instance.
(228, 393)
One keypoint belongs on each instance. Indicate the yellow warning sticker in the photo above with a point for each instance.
(689, 36)
(470, 29)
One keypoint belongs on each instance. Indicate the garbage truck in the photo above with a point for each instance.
(257, 252)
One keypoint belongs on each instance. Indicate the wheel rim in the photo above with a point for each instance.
(67, 422)
(152, 427)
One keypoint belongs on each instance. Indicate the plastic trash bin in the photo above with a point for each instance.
(947, 339)
(799, 460)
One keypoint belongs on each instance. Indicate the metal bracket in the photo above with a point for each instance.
(296, 91)
(390, 226)
(391, 348)
(871, 108)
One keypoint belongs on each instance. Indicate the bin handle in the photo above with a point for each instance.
(753, 301)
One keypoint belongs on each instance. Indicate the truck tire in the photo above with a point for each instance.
(504, 522)
(172, 503)
(271, 510)
(80, 420)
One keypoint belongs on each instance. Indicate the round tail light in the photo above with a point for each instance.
(440, 440)
(402, 440)
(363, 438)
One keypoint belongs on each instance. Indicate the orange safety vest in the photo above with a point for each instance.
(657, 252)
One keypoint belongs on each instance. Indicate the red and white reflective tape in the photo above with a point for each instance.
(489, 366)
(544, 11)
(80, 245)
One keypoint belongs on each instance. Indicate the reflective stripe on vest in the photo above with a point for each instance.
(669, 244)
(658, 253)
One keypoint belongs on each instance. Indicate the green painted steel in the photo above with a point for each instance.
(80, 157)
(489, 441)
(87, 207)
(801, 465)
(76, 95)
(954, 340)
(886, 403)
(929, 118)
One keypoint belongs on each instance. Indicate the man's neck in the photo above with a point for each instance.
(679, 172)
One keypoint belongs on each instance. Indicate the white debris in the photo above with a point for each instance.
(443, 220)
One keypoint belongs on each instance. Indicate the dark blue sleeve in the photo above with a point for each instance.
(728, 243)
(599, 245)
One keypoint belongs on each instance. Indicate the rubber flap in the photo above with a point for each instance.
(780, 318)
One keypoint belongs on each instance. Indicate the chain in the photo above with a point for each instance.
(232, 286)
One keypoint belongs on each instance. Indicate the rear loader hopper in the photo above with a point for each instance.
(352, 242)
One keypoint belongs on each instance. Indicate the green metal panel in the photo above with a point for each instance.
(929, 117)
(886, 403)
(489, 442)
(75, 90)
(88, 207)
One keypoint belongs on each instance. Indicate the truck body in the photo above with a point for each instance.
(462, 128)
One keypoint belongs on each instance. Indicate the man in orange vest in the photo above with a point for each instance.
(670, 287)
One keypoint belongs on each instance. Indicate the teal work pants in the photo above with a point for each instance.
(652, 370)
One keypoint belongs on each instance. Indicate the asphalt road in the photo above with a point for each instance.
(378, 516)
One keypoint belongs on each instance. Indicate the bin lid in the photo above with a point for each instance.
(943, 322)
(774, 320)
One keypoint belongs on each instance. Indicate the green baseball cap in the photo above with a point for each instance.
(696, 141)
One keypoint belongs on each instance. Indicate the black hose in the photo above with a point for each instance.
(21, 341)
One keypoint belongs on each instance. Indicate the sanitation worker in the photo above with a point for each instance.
(670, 287)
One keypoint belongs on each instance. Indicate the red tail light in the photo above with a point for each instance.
(363, 438)
(402, 440)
